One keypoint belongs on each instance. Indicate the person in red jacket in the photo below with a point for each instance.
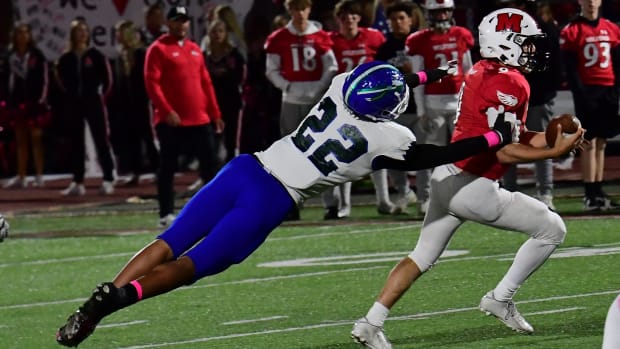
(186, 112)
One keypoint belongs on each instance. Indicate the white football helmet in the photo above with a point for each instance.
(513, 37)
(433, 7)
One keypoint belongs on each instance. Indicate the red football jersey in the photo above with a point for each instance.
(300, 55)
(593, 46)
(438, 48)
(488, 85)
(353, 52)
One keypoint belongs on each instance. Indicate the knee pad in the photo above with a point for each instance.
(552, 228)
(422, 260)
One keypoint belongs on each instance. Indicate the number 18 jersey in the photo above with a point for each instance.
(331, 146)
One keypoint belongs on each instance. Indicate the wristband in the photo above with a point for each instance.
(423, 77)
(493, 138)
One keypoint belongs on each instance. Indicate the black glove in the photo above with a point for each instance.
(503, 129)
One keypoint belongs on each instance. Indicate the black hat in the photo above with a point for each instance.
(178, 13)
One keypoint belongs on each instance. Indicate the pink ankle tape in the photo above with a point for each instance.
(423, 77)
(138, 288)
(492, 138)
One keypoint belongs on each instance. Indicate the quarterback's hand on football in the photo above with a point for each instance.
(571, 142)
(504, 129)
(451, 67)
(4, 228)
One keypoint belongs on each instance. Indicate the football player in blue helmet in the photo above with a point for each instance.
(346, 136)
(376, 90)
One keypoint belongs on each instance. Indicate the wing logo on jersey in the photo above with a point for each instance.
(507, 99)
(509, 22)
(494, 113)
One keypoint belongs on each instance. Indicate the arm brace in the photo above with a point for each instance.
(422, 156)
(432, 75)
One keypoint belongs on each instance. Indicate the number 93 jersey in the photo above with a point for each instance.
(332, 146)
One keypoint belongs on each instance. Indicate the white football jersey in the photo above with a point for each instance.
(331, 146)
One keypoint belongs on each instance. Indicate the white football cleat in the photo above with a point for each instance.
(369, 335)
(166, 220)
(74, 189)
(107, 188)
(506, 312)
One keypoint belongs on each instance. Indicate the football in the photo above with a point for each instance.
(570, 124)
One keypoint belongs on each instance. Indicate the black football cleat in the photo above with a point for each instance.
(83, 322)
(78, 327)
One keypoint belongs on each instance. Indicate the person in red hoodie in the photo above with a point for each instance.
(186, 112)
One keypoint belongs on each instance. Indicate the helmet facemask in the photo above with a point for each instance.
(534, 53)
(441, 24)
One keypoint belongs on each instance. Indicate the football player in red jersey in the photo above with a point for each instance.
(468, 190)
(301, 63)
(353, 45)
(590, 48)
(433, 47)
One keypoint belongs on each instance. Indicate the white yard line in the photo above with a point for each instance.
(249, 321)
(123, 324)
(349, 232)
(237, 282)
(420, 316)
(126, 254)
(67, 259)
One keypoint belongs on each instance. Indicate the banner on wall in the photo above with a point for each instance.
(50, 19)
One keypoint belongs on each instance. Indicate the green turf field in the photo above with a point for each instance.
(306, 285)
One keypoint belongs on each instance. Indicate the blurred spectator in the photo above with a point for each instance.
(129, 106)
(185, 108)
(154, 24)
(368, 9)
(84, 78)
(543, 87)
(27, 103)
(437, 103)
(381, 20)
(4, 228)
(592, 63)
(260, 114)
(301, 63)
(353, 45)
(226, 14)
(404, 18)
(5, 138)
(226, 66)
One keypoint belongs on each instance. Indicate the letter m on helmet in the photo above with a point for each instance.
(509, 22)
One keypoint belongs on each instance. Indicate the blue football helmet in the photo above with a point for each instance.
(376, 90)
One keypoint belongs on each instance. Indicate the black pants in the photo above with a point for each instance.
(91, 110)
(172, 142)
(140, 134)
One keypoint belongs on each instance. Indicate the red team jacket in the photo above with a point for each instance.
(362, 48)
(176, 79)
(438, 48)
(593, 46)
(488, 85)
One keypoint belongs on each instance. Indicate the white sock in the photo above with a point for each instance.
(611, 336)
(400, 181)
(532, 254)
(379, 179)
(377, 314)
(345, 194)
